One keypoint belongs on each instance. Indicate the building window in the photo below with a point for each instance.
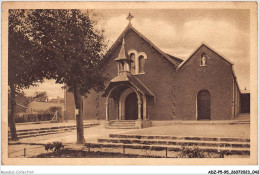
(141, 64)
(132, 57)
(138, 61)
(203, 61)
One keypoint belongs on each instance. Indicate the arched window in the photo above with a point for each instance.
(203, 61)
(138, 61)
(132, 57)
(141, 61)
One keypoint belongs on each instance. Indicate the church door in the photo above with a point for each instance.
(131, 107)
(203, 103)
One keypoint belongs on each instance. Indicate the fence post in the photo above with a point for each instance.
(123, 149)
(24, 152)
(221, 154)
(166, 149)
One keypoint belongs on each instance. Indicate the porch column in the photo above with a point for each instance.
(116, 102)
(139, 109)
(107, 110)
(144, 108)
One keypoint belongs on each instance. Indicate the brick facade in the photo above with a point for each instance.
(175, 89)
(216, 77)
(158, 77)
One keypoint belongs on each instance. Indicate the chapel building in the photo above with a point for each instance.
(147, 84)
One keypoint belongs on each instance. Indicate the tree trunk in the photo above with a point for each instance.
(13, 113)
(79, 117)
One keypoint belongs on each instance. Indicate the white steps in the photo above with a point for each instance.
(174, 144)
(121, 124)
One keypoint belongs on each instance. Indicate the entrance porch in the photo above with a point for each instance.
(127, 103)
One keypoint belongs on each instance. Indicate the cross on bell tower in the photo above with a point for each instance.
(129, 18)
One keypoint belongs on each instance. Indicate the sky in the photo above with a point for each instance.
(180, 32)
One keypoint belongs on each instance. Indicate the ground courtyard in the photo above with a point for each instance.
(95, 132)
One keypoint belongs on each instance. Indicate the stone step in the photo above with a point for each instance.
(48, 128)
(176, 142)
(122, 121)
(122, 124)
(34, 132)
(242, 121)
(175, 148)
(36, 135)
(167, 137)
(39, 134)
(243, 117)
(45, 131)
(121, 127)
(239, 123)
(51, 128)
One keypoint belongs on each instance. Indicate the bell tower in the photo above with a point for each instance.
(123, 62)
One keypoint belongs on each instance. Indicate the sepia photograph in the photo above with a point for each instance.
(131, 84)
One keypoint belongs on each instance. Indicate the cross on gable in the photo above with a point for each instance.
(130, 17)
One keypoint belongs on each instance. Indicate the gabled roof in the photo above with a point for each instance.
(203, 45)
(128, 79)
(230, 62)
(175, 58)
(175, 61)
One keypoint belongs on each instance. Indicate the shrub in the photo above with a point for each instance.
(195, 152)
(53, 109)
(33, 117)
(191, 152)
(55, 146)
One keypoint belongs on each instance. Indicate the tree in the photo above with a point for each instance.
(72, 48)
(22, 101)
(53, 109)
(41, 96)
(24, 69)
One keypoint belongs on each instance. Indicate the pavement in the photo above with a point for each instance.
(237, 131)
(92, 134)
(67, 138)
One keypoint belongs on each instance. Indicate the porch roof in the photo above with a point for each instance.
(128, 79)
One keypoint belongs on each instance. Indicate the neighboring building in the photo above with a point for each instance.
(245, 101)
(57, 100)
(147, 84)
(39, 107)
